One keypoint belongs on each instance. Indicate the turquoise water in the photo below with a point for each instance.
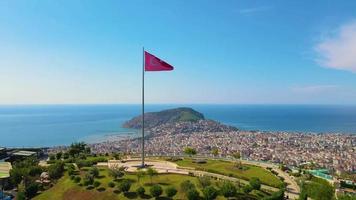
(61, 125)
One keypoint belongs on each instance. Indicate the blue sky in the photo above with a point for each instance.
(235, 52)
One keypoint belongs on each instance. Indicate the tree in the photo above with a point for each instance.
(279, 195)
(76, 148)
(140, 191)
(192, 194)
(228, 189)
(96, 184)
(52, 157)
(117, 156)
(190, 151)
(31, 190)
(124, 186)
(151, 172)
(187, 185)
(59, 155)
(204, 181)
(20, 196)
(210, 193)
(111, 184)
(117, 172)
(247, 189)
(236, 155)
(140, 174)
(56, 170)
(255, 183)
(156, 190)
(171, 191)
(215, 151)
(94, 171)
(88, 179)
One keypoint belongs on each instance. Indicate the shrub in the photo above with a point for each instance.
(56, 170)
(228, 189)
(77, 179)
(124, 186)
(210, 193)
(31, 190)
(96, 184)
(72, 177)
(171, 191)
(156, 191)
(204, 181)
(94, 171)
(140, 191)
(255, 183)
(247, 189)
(187, 185)
(111, 184)
(192, 194)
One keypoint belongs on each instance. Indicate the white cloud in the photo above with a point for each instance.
(339, 51)
(248, 11)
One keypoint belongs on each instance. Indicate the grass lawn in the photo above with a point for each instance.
(2, 174)
(227, 168)
(66, 189)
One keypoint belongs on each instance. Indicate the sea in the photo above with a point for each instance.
(55, 125)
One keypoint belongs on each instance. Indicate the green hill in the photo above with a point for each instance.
(153, 119)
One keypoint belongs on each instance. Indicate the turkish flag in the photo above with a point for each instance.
(152, 63)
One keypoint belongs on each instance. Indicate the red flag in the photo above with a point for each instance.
(152, 63)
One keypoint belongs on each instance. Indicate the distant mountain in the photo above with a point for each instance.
(154, 119)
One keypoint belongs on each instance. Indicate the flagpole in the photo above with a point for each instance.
(143, 106)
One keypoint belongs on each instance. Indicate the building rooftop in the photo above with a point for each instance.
(24, 153)
(5, 168)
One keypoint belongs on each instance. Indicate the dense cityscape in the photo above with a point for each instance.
(331, 151)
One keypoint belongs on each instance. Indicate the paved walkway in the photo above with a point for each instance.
(170, 167)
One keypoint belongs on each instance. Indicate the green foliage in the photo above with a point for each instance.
(117, 172)
(318, 189)
(347, 197)
(124, 185)
(190, 151)
(215, 151)
(255, 183)
(52, 157)
(77, 179)
(193, 194)
(140, 191)
(187, 185)
(111, 184)
(140, 174)
(247, 189)
(96, 184)
(59, 155)
(94, 171)
(204, 181)
(151, 172)
(83, 163)
(276, 195)
(156, 190)
(88, 179)
(76, 148)
(228, 189)
(210, 193)
(20, 196)
(31, 190)
(236, 155)
(171, 191)
(56, 170)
